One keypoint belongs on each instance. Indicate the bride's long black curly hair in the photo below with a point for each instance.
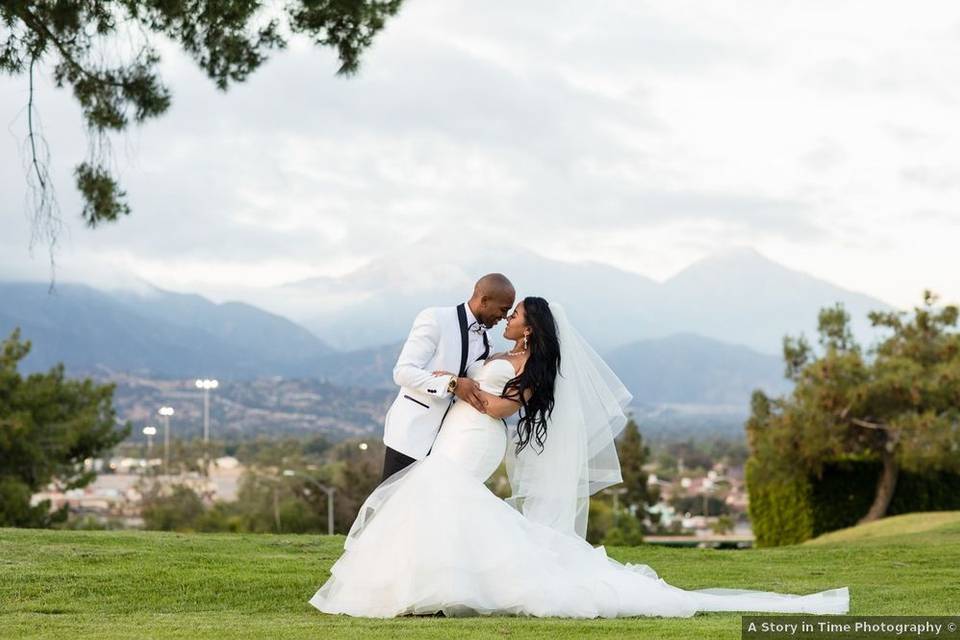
(539, 374)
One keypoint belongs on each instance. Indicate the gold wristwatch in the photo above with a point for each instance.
(452, 385)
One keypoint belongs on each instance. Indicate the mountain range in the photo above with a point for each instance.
(687, 369)
(165, 334)
(706, 337)
(737, 296)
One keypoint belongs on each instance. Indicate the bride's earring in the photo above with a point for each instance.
(524, 342)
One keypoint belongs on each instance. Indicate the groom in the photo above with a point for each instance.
(448, 339)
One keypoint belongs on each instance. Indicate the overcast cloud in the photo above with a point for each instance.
(643, 135)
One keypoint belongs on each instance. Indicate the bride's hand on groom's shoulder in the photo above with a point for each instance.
(441, 372)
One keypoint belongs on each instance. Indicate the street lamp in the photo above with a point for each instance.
(707, 486)
(165, 413)
(617, 492)
(328, 490)
(206, 384)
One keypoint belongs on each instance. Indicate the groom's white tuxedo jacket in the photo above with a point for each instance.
(442, 338)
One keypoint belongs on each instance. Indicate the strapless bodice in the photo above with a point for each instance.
(492, 375)
(475, 441)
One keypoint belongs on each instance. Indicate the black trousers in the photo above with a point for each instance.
(393, 461)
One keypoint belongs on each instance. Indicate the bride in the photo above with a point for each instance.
(432, 538)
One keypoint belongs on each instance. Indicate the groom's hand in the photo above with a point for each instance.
(469, 391)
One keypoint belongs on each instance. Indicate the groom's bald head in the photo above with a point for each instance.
(494, 284)
(492, 298)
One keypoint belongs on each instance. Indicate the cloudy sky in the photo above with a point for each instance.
(643, 135)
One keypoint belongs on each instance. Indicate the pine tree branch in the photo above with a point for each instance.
(35, 24)
(30, 131)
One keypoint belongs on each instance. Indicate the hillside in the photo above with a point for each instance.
(128, 584)
(241, 409)
(152, 333)
(910, 527)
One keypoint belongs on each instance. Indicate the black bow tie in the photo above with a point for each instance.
(476, 327)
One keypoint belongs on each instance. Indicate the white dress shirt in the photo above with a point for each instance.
(475, 345)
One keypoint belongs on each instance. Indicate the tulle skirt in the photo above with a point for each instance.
(432, 538)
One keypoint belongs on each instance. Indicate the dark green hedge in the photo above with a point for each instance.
(791, 511)
(845, 493)
(780, 510)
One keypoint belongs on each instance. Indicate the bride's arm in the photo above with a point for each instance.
(500, 407)
(496, 406)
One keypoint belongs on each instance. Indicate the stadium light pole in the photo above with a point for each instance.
(149, 432)
(206, 384)
(165, 413)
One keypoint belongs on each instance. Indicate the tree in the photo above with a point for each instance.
(627, 530)
(723, 525)
(48, 426)
(106, 52)
(633, 455)
(358, 474)
(621, 524)
(171, 509)
(899, 406)
(599, 519)
(698, 505)
(283, 452)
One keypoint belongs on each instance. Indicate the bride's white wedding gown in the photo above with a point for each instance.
(433, 538)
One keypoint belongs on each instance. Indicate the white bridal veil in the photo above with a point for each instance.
(579, 456)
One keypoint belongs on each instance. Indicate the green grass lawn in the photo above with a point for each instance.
(103, 584)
